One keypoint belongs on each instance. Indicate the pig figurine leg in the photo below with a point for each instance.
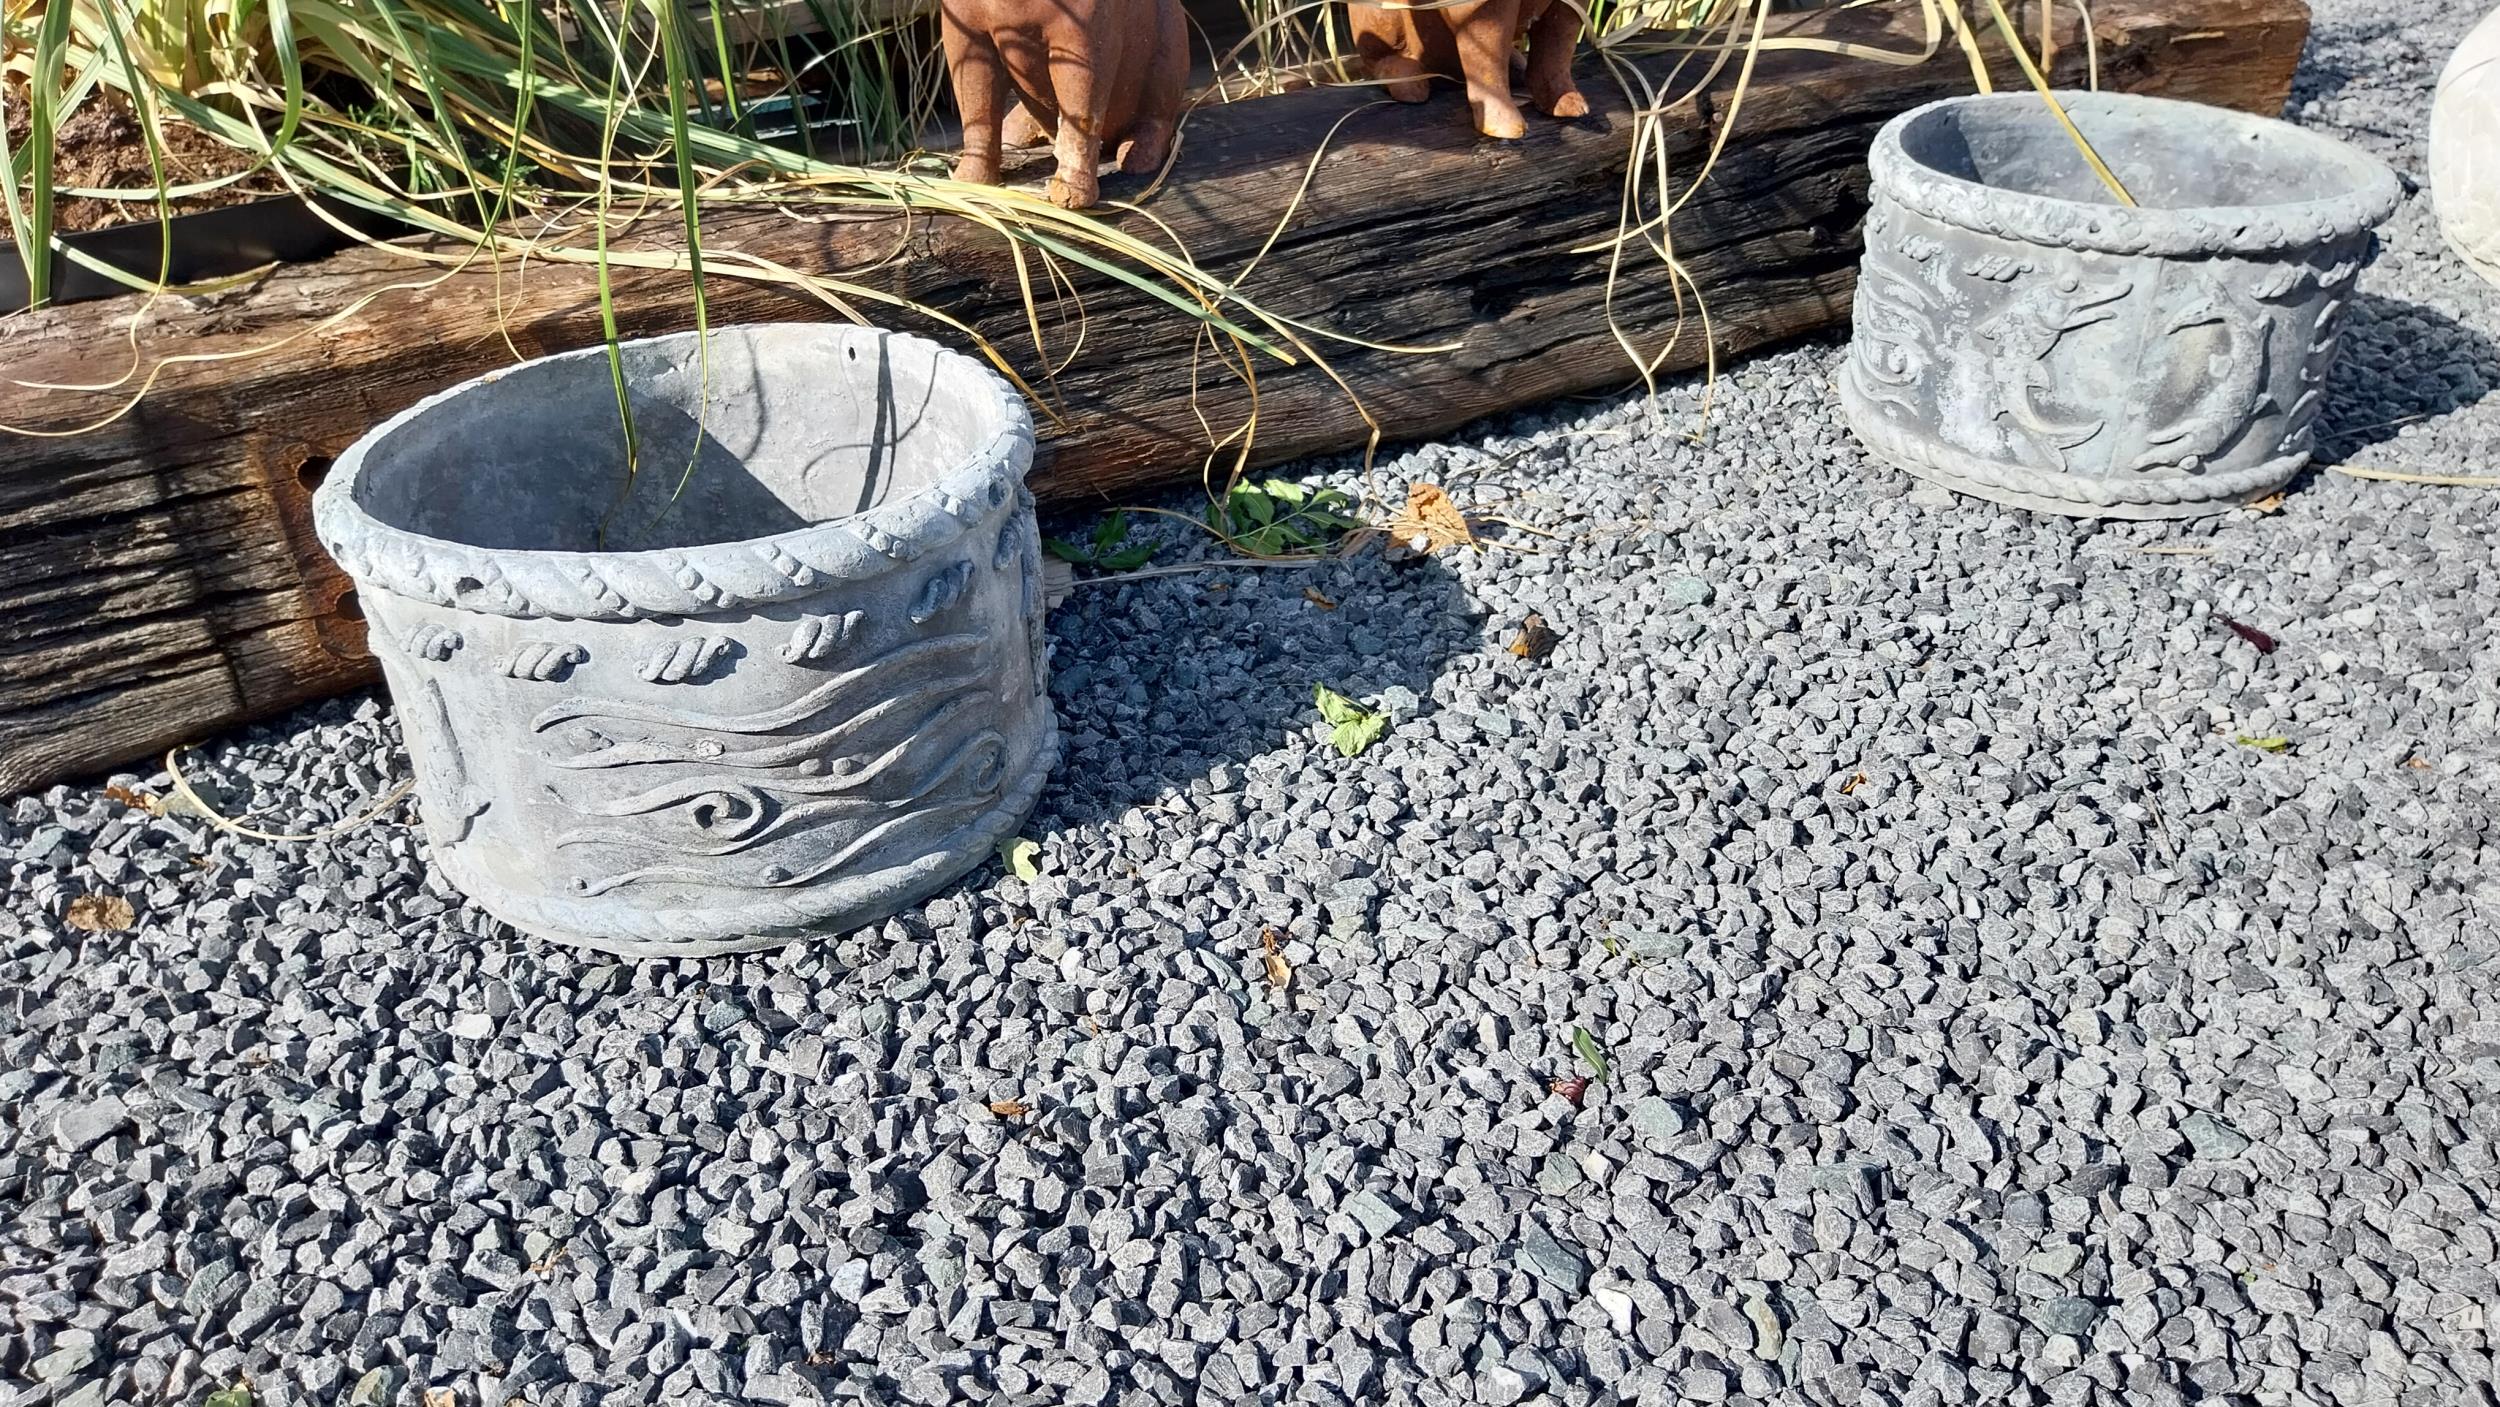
(1078, 181)
(1552, 35)
(1487, 32)
(1385, 41)
(1159, 107)
(980, 75)
(1022, 130)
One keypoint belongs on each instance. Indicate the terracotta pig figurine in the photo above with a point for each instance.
(1475, 42)
(1098, 73)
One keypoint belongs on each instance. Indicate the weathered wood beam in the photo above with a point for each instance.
(158, 579)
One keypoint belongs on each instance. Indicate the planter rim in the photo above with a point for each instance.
(2371, 193)
(708, 578)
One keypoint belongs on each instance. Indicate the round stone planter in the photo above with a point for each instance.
(786, 678)
(2023, 338)
(2465, 149)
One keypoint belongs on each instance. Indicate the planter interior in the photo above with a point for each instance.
(2014, 144)
(771, 436)
(789, 680)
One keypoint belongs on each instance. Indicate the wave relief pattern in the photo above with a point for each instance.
(887, 758)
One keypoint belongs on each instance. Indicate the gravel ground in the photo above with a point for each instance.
(1981, 1024)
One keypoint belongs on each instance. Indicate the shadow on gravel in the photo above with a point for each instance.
(2401, 364)
(2341, 56)
(1160, 683)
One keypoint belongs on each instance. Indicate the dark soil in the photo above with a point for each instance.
(101, 146)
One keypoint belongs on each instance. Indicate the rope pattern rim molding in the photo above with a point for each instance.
(2372, 192)
(640, 585)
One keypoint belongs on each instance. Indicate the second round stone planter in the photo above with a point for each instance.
(2023, 338)
(788, 678)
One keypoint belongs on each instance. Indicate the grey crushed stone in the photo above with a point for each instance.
(1552, 1262)
(2211, 1137)
(1655, 1119)
(1983, 1025)
(2067, 1314)
(84, 1124)
(1378, 1214)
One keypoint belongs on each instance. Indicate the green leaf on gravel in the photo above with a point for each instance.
(1022, 858)
(1335, 707)
(1279, 518)
(1586, 1044)
(2264, 744)
(1351, 726)
(235, 1396)
(1104, 552)
(1352, 738)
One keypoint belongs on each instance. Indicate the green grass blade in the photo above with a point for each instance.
(728, 60)
(680, 79)
(143, 104)
(1158, 291)
(34, 229)
(607, 302)
(438, 102)
(290, 71)
(524, 99)
(11, 204)
(1589, 1050)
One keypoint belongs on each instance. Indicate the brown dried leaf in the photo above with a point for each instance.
(1574, 1089)
(1010, 1108)
(100, 913)
(2265, 643)
(441, 1397)
(136, 801)
(1312, 595)
(2418, 764)
(1430, 521)
(2267, 504)
(1534, 641)
(1855, 781)
(1279, 971)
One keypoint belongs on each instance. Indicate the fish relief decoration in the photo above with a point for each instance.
(2193, 362)
(2216, 375)
(2023, 335)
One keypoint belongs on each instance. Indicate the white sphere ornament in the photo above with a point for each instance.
(2465, 149)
